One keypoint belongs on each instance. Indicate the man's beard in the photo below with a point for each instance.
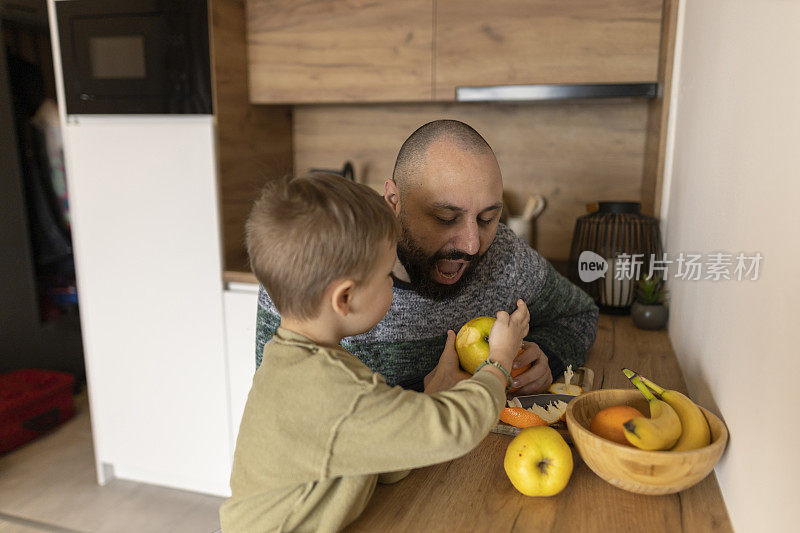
(419, 266)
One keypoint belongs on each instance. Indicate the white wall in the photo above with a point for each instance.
(735, 170)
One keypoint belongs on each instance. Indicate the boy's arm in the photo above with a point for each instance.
(267, 321)
(391, 429)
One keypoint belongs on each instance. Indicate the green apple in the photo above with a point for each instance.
(472, 342)
(538, 461)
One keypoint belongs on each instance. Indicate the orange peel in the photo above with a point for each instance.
(521, 417)
(536, 415)
(566, 388)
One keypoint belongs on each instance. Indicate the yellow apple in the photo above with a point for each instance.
(472, 342)
(538, 461)
(472, 345)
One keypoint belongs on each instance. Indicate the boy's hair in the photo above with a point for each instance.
(305, 232)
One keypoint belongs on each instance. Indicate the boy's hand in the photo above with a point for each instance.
(505, 339)
(447, 373)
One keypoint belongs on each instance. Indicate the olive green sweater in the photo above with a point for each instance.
(319, 427)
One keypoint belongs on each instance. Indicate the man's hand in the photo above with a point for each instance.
(538, 377)
(447, 373)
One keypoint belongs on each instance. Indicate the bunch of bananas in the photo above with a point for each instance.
(675, 422)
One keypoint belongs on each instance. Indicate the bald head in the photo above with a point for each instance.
(412, 155)
(447, 192)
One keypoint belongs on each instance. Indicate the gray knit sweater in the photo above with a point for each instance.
(408, 342)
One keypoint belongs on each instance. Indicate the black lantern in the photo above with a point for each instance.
(612, 248)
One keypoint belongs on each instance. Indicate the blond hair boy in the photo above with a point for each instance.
(320, 429)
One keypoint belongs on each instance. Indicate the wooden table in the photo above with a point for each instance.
(472, 493)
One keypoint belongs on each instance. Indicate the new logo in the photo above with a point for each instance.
(591, 266)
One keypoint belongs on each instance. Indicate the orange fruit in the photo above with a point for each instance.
(521, 417)
(517, 371)
(607, 423)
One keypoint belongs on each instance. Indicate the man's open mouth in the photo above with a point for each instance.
(447, 271)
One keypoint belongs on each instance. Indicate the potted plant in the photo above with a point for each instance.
(649, 311)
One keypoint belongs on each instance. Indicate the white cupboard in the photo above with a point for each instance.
(169, 352)
(241, 301)
(148, 260)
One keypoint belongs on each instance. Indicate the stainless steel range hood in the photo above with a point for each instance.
(542, 92)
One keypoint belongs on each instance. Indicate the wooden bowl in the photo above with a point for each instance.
(632, 469)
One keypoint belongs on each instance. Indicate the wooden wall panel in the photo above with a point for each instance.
(658, 115)
(544, 41)
(571, 153)
(340, 51)
(254, 143)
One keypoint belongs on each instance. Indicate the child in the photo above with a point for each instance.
(320, 429)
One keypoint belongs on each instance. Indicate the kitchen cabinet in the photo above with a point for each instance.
(511, 42)
(241, 303)
(422, 50)
(157, 207)
(339, 51)
(145, 227)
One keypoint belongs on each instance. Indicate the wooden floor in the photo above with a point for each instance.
(50, 485)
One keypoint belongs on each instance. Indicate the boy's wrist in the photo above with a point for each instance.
(505, 361)
(495, 372)
(502, 370)
(502, 354)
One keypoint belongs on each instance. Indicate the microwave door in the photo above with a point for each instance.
(188, 68)
(119, 63)
(135, 57)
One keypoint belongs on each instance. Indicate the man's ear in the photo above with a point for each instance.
(341, 296)
(392, 195)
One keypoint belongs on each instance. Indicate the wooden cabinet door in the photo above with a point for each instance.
(511, 42)
(340, 51)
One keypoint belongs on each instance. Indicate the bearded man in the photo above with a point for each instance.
(457, 262)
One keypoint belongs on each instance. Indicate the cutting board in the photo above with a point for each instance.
(583, 377)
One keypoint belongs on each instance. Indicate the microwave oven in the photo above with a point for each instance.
(135, 56)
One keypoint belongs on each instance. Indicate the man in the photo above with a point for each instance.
(456, 262)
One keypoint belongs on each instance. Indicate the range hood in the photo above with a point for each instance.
(543, 92)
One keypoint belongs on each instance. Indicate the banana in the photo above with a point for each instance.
(696, 433)
(659, 432)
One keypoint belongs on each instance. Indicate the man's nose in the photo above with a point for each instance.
(468, 239)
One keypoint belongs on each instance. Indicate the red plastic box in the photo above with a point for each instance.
(33, 402)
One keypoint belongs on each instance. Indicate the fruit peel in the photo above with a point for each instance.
(566, 387)
(521, 417)
(554, 412)
(569, 390)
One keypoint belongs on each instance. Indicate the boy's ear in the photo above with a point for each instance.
(342, 296)
(392, 195)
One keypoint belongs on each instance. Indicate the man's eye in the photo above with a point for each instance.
(485, 222)
(445, 221)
